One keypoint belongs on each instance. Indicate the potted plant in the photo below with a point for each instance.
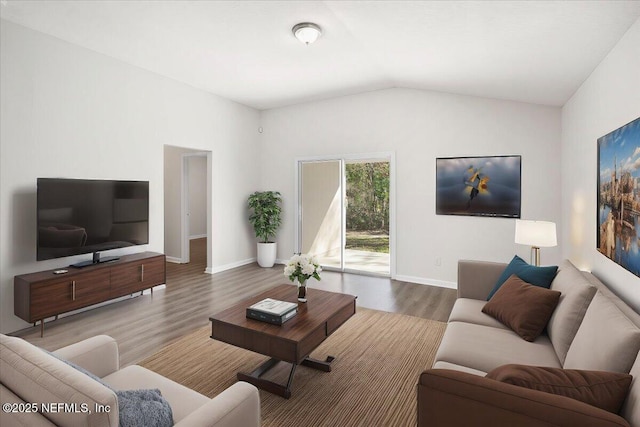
(265, 218)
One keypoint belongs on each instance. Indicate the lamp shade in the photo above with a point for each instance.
(539, 234)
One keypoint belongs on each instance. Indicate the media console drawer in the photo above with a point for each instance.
(45, 294)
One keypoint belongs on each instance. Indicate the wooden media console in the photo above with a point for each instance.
(45, 294)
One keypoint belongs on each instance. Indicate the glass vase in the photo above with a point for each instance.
(302, 290)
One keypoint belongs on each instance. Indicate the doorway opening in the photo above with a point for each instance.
(187, 205)
(346, 213)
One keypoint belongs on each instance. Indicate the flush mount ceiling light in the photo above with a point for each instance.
(306, 32)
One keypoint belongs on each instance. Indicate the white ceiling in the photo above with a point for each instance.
(531, 51)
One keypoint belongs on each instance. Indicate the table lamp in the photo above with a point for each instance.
(537, 234)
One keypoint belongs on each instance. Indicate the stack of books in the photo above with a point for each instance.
(272, 311)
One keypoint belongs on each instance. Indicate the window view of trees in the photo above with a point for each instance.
(367, 206)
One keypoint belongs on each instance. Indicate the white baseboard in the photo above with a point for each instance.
(174, 260)
(198, 236)
(430, 282)
(229, 266)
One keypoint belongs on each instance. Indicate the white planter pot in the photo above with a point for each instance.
(267, 254)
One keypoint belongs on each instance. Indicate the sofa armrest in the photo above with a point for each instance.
(477, 278)
(98, 355)
(454, 398)
(239, 405)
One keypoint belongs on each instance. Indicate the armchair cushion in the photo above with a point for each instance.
(606, 390)
(525, 308)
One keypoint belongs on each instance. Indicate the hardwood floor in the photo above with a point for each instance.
(143, 324)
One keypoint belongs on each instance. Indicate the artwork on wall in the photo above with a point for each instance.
(478, 186)
(618, 225)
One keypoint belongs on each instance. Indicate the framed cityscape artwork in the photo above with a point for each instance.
(478, 186)
(618, 226)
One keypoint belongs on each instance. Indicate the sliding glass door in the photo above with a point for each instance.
(321, 211)
(345, 213)
(367, 216)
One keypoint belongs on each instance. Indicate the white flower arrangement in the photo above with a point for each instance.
(302, 267)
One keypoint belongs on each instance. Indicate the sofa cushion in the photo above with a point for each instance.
(454, 367)
(484, 348)
(182, 400)
(539, 276)
(631, 408)
(576, 294)
(606, 340)
(38, 377)
(605, 390)
(470, 311)
(523, 307)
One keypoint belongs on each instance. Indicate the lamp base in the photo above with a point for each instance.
(535, 256)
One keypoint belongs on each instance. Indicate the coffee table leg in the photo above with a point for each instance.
(279, 389)
(319, 364)
(266, 385)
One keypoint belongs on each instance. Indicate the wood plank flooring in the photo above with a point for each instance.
(145, 323)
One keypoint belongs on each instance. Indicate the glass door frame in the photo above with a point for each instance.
(343, 159)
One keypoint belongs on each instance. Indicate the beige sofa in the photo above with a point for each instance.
(30, 375)
(590, 329)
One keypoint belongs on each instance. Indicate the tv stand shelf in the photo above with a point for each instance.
(45, 294)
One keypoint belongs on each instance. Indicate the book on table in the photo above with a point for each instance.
(272, 311)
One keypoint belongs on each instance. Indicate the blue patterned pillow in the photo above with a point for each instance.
(539, 276)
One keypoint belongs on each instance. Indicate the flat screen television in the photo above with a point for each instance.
(79, 216)
(478, 186)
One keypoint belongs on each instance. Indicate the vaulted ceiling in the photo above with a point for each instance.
(530, 51)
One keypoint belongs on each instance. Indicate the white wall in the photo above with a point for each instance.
(420, 126)
(197, 196)
(608, 99)
(66, 111)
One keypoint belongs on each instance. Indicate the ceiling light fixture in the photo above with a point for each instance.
(306, 32)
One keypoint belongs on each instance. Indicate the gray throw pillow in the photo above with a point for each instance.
(144, 408)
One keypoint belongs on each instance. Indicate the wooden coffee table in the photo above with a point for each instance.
(293, 341)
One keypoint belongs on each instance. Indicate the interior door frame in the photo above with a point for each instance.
(389, 156)
(184, 208)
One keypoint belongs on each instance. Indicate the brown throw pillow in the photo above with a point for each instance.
(605, 390)
(525, 308)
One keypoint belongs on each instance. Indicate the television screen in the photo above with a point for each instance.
(78, 216)
(478, 186)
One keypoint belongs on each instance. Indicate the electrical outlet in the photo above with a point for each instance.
(438, 261)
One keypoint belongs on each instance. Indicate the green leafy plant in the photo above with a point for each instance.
(265, 213)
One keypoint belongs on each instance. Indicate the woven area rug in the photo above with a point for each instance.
(379, 358)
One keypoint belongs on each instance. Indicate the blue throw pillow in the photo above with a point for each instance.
(539, 276)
